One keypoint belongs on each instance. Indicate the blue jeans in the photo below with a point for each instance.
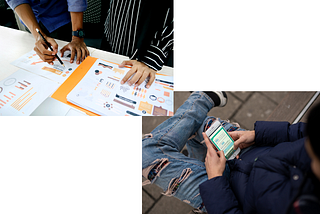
(162, 162)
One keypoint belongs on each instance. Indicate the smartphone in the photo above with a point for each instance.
(221, 140)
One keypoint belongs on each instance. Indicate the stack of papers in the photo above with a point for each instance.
(93, 87)
(100, 91)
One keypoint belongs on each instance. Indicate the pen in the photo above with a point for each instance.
(48, 44)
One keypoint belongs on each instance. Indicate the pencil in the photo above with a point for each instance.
(48, 44)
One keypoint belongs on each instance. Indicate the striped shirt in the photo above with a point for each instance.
(141, 29)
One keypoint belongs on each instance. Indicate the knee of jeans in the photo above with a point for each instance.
(153, 171)
(198, 208)
(147, 136)
(230, 126)
(175, 183)
(201, 209)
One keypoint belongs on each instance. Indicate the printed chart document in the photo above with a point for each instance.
(100, 91)
(22, 92)
(56, 72)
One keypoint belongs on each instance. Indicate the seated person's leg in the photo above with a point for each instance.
(162, 162)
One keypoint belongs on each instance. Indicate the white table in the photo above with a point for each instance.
(15, 43)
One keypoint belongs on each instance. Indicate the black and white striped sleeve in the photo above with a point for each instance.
(161, 44)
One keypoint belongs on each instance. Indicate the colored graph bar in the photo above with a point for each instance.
(161, 83)
(125, 99)
(27, 82)
(27, 101)
(122, 103)
(20, 99)
(55, 71)
(17, 104)
(159, 80)
(24, 85)
(19, 88)
(132, 113)
(113, 79)
(168, 88)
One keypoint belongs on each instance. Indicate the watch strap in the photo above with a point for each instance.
(79, 33)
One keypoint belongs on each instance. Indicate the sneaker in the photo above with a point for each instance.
(218, 97)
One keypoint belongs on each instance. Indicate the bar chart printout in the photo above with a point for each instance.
(22, 92)
(100, 91)
(56, 72)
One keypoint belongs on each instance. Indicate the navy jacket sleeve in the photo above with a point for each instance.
(218, 196)
(269, 133)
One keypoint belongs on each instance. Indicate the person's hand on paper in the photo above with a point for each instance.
(242, 139)
(43, 50)
(76, 46)
(141, 71)
(215, 161)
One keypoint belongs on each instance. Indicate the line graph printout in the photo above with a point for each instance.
(100, 91)
(32, 62)
(22, 92)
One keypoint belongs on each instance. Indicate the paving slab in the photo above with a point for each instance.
(170, 205)
(179, 98)
(257, 107)
(150, 123)
(228, 110)
(153, 190)
(290, 106)
(275, 96)
(147, 202)
(224, 112)
(242, 95)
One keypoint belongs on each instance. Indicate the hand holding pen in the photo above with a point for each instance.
(41, 48)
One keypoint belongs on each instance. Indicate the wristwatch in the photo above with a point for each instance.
(79, 33)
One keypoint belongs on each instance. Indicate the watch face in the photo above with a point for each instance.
(81, 33)
(78, 33)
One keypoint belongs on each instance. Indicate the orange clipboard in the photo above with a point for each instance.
(61, 93)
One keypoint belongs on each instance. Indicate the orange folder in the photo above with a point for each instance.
(61, 93)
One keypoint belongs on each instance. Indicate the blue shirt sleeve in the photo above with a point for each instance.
(14, 3)
(77, 5)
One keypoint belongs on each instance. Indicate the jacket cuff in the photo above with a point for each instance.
(269, 133)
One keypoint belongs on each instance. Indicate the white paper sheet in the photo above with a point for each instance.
(32, 62)
(22, 92)
(100, 91)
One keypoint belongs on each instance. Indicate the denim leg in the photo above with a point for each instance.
(162, 162)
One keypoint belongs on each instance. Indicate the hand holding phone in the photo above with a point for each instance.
(221, 140)
(215, 162)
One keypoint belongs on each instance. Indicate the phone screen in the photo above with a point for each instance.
(222, 141)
